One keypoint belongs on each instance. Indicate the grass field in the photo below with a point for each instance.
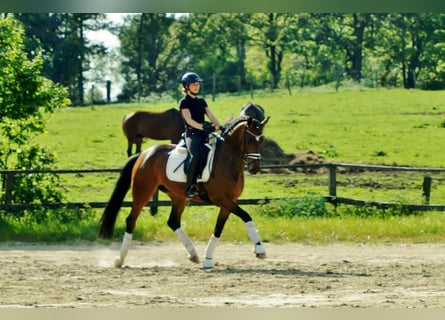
(372, 126)
(378, 126)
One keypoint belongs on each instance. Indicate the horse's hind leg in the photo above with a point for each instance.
(140, 198)
(138, 142)
(213, 241)
(128, 235)
(129, 147)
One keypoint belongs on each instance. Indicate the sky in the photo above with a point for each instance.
(111, 42)
(105, 36)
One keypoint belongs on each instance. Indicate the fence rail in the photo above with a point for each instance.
(154, 203)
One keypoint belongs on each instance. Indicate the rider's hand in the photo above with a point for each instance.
(208, 128)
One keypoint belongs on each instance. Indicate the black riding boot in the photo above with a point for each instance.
(191, 179)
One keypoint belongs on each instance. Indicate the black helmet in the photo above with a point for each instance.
(190, 77)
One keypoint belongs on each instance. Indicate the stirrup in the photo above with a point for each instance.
(191, 192)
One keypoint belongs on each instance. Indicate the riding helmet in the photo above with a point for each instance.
(190, 77)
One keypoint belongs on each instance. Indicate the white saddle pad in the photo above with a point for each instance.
(176, 160)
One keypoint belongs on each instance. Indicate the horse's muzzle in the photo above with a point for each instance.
(253, 162)
(253, 170)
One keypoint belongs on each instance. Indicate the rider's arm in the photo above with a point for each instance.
(188, 119)
(212, 118)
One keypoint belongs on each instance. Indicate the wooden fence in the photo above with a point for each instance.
(332, 197)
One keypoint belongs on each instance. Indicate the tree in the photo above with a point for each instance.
(149, 52)
(215, 44)
(59, 38)
(411, 42)
(270, 32)
(25, 96)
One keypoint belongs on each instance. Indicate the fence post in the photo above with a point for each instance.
(9, 182)
(213, 86)
(155, 200)
(426, 189)
(332, 180)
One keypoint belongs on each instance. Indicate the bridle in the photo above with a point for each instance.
(251, 155)
(246, 155)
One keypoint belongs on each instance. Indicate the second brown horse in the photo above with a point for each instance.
(166, 125)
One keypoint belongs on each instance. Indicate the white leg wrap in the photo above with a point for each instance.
(253, 234)
(210, 248)
(125, 246)
(208, 252)
(255, 238)
(187, 243)
(126, 242)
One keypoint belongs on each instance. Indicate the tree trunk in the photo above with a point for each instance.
(81, 60)
(360, 22)
(139, 61)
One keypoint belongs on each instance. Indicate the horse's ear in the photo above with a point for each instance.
(263, 123)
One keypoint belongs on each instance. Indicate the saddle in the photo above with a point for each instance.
(178, 160)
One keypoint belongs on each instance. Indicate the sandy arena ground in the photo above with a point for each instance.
(160, 275)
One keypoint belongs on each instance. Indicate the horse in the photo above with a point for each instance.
(166, 125)
(253, 110)
(236, 148)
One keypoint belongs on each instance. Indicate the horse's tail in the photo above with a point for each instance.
(109, 216)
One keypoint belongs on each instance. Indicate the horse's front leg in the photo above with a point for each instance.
(259, 250)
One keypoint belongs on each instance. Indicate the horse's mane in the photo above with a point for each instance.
(232, 125)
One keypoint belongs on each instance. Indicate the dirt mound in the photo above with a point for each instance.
(272, 154)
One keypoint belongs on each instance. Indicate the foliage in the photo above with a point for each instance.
(372, 211)
(309, 206)
(199, 224)
(150, 55)
(60, 40)
(36, 187)
(25, 98)
(244, 50)
(48, 225)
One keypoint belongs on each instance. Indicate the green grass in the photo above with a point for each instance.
(376, 126)
(199, 222)
(369, 126)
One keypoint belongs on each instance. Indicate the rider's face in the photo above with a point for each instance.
(194, 87)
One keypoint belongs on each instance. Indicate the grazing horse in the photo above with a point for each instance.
(253, 110)
(166, 125)
(144, 173)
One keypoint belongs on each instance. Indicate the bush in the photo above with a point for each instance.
(310, 206)
(48, 225)
(371, 211)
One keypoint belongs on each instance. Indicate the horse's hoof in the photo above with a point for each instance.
(260, 252)
(194, 259)
(208, 263)
(118, 262)
(261, 255)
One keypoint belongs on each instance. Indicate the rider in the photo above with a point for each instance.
(193, 110)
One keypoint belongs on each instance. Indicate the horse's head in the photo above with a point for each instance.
(253, 138)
